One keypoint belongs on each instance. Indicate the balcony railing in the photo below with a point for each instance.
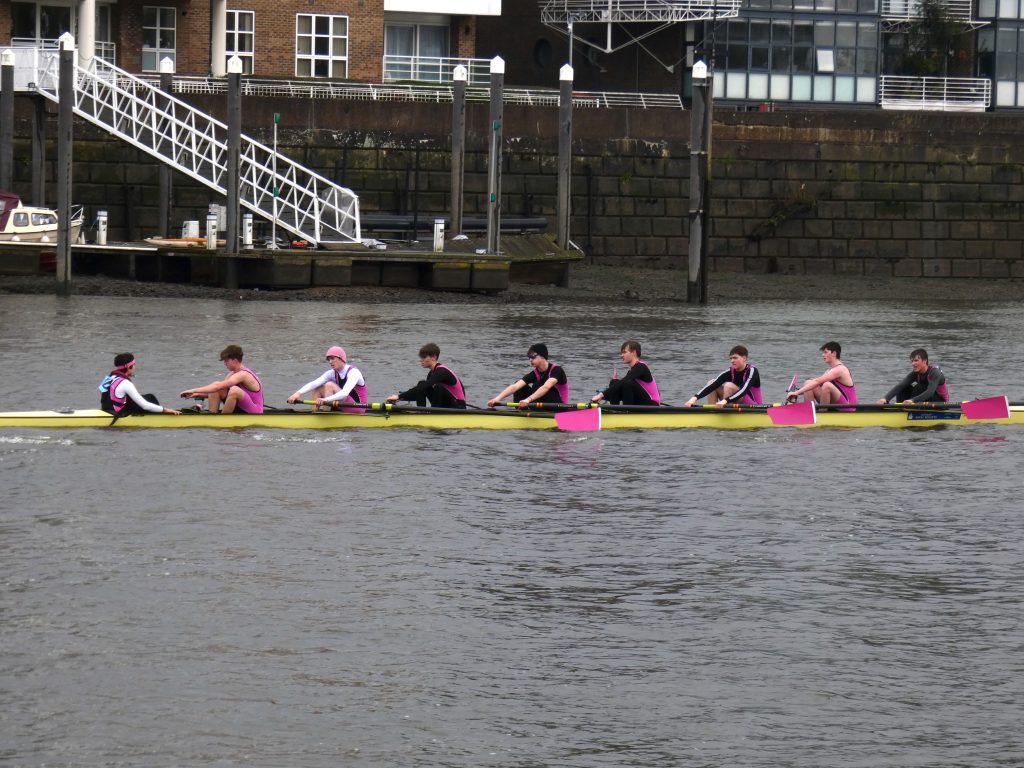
(625, 11)
(104, 50)
(935, 94)
(905, 10)
(433, 69)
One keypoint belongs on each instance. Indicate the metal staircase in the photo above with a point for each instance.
(308, 205)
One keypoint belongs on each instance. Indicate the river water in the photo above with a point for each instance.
(417, 598)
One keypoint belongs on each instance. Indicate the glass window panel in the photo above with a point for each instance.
(304, 46)
(826, 5)
(302, 68)
(149, 60)
(321, 25)
(801, 87)
(782, 32)
(845, 60)
(339, 48)
(803, 59)
(304, 25)
(399, 40)
(866, 89)
(718, 85)
(803, 33)
(846, 6)
(1005, 92)
(759, 31)
(867, 6)
(823, 88)
(987, 9)
(759, 58)
(433, 41)
(321, 68)
(321, 45)
(167, 17)
(867, 62)
(1006, 40)
(23, 20)
(1006, 66)
(341, 25)
(149, 16)
(867, 35)
(846, 34)
(149, 38)
(803, 5)
(782, 58)
(825, 34)
(737, 57)
(780, 87)
(757, 87)
(736, 86)
(762, 4)
(339, 69)
(782, 5)
(737, 31)
(1007, 9)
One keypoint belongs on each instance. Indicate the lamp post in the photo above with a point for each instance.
(700, 150)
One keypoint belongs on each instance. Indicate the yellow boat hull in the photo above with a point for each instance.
(703, 418)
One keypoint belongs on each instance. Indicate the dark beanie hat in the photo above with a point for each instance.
(540, 349)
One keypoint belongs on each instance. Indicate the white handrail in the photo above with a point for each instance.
(309, 205)
(940, 94)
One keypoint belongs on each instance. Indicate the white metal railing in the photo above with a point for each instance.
(441, 93)
(584, 11)
(307, 204)
(433, 69)
(911, 9)
(105, 50)
(939, 94)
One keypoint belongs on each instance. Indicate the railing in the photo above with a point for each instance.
(938, 94)
(440, 94)
(906, 10)
(271, 185)
(584, 11)
(434, 69)
(106, 51)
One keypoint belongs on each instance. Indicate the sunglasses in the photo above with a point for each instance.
(532, 356)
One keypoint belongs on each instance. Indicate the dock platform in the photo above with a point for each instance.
(462, 266)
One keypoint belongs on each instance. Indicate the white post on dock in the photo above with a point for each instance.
(65, 142)
(494, 166)
(247, 231)
(7, 120)
(459, 76)
(101, 227)
(565, 77)
(438, 235)
(164, 202)
(211, 231)
(232, 160)
(700, 150)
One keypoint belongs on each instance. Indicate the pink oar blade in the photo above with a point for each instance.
(794, 415)
(987, 408)
(585, 420)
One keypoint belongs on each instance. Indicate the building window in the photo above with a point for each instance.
(32, 21)
(1001, 58)
(241, 38)
(321, 45)
(158, 36)
(415, 51)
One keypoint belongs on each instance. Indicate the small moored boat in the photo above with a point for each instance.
(26, 224)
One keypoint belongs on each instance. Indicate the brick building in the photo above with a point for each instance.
(363, 40)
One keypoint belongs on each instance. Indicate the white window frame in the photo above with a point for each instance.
(312, 58)
(161, 52)
(235, 35)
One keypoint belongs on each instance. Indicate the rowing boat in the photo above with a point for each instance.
(622, 417)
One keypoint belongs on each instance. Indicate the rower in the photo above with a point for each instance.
(339, 383)
(638, 387)
(739, 384)
(441, 388)
(835, 385)
(924, 384)
(120, 397)
(545, 383)
(241, 390)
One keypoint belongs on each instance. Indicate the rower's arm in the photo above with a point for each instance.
(904, 383)
(542, 390)
(712, 385)
(515, 387)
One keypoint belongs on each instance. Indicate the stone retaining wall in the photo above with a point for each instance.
(904, 194)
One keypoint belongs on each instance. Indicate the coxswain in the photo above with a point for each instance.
(834, 386)
(924, 384)
(241, 390)
(341, 383)
(120, 397)
(441, 388)
(637, 387)
(739, 384)
(545, 383)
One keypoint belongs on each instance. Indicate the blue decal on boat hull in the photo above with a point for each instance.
(934, 416)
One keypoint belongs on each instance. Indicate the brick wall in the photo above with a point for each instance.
(801, 192)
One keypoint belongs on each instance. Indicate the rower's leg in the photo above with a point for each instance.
(213, 401)
(727, 390)
(234, 395)
(827, 394)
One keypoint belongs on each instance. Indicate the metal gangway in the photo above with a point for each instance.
(271, 185)
(655, 15)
